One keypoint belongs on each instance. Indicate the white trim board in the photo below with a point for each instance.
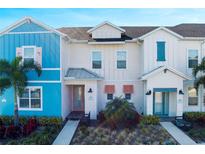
(44, 81)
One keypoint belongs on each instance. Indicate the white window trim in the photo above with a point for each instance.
(126, 59)
(188, 97)
(187, 58)
(32, 109)
(23, 47)
(91, 61)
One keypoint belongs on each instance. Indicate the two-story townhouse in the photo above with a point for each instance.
(32, 39)
(85, 67)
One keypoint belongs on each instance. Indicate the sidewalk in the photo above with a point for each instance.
(177, 134)
(66, 134)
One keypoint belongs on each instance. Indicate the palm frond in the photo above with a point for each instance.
(4, 84)
(199, 81)
(5, 67)
(15, 64)
(31, 65)
(199, 68)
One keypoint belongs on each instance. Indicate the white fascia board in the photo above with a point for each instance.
(160, 28)
(104, 23)
(26, 19)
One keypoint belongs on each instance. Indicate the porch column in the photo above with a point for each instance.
(149, 104)
(179, 106)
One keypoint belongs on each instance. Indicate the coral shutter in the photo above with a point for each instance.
(109, 89)
(39, 55)
(19, 52)
(128, 89)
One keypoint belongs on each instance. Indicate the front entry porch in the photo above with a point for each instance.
(164, 92)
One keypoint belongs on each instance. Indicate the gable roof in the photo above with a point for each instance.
(105, 23)
(162, 68)
(161, 28)
(81, 73)
(131, 32)
(189, 30)
(30, 19)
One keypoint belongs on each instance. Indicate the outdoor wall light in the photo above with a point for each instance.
(181, 92)
(148, 92)
(90, 90)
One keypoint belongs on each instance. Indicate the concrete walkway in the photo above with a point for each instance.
(66, 134)
(177, 134)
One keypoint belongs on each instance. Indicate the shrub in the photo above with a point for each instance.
(101, 117)
(194, 116)
(13, 132)
(150, 120)
(48, 121)
(119, 110)
(2, 131)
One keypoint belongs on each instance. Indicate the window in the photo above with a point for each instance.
(192, 58)
(160, 51)
(128, 96)
(96, 60)
(192, 96)
(31, 99)
(121, 59)
(28, 54)
(109, 96)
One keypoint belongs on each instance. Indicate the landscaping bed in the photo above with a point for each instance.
(140, 134)
(197, 131)
(43, 131)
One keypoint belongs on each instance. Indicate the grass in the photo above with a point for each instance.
(197, 133)
(142, 134)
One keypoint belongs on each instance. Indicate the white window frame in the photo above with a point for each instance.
(41, 100)
(102, 58)
(117, 59)
(188, 97)
(24, 47)
(187, 59)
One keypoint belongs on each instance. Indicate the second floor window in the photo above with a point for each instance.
(160, 51)
(121, 59)
(96, 60)
(192, 58)
(28, 54)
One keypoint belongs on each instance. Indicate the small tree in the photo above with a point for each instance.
(198, 73)
(119, 110)
(13, 74)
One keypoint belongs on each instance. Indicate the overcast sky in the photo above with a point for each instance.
(91, 17)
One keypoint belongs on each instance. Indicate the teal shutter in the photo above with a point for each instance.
(160, 51)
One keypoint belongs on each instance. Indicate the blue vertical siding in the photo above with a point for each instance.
(51, 101)
(160, 51)
(50, 43)
(28, 27)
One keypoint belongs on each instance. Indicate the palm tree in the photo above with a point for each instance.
(13, 74)
(198, 73)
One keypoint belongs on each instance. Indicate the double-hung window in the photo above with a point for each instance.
(28, 54)
(96, 60)
(31, 99)
(121, 59)
(192, 58)
(192, 96)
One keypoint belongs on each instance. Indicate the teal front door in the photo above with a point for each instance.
(161, 103)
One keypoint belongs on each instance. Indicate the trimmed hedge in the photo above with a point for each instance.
(149, 120)
(194, 116)
(43, 121)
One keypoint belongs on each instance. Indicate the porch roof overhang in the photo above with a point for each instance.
(163, 68)
(81, 74)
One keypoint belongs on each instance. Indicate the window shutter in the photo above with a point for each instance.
(39, 55)
(160, 51)
(19, 52)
